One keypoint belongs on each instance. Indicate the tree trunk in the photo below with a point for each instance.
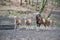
(32, 2)
(26, 2)
(29, 1)
(37, 6)
(20, 2)
(43, 5)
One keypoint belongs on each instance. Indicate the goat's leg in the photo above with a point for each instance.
(38, 25)
(45, 25)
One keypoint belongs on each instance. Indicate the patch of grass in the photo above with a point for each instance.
(15, 12)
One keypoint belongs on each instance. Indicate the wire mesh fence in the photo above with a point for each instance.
(6, 22)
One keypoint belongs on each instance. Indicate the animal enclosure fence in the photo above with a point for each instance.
(7, 23)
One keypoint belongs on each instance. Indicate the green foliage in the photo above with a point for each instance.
(56, 2)
(18, 11)
(7, 0)
(43, 5)
(15, 12)
(32, 3)
(12, 12)
(3, 3)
